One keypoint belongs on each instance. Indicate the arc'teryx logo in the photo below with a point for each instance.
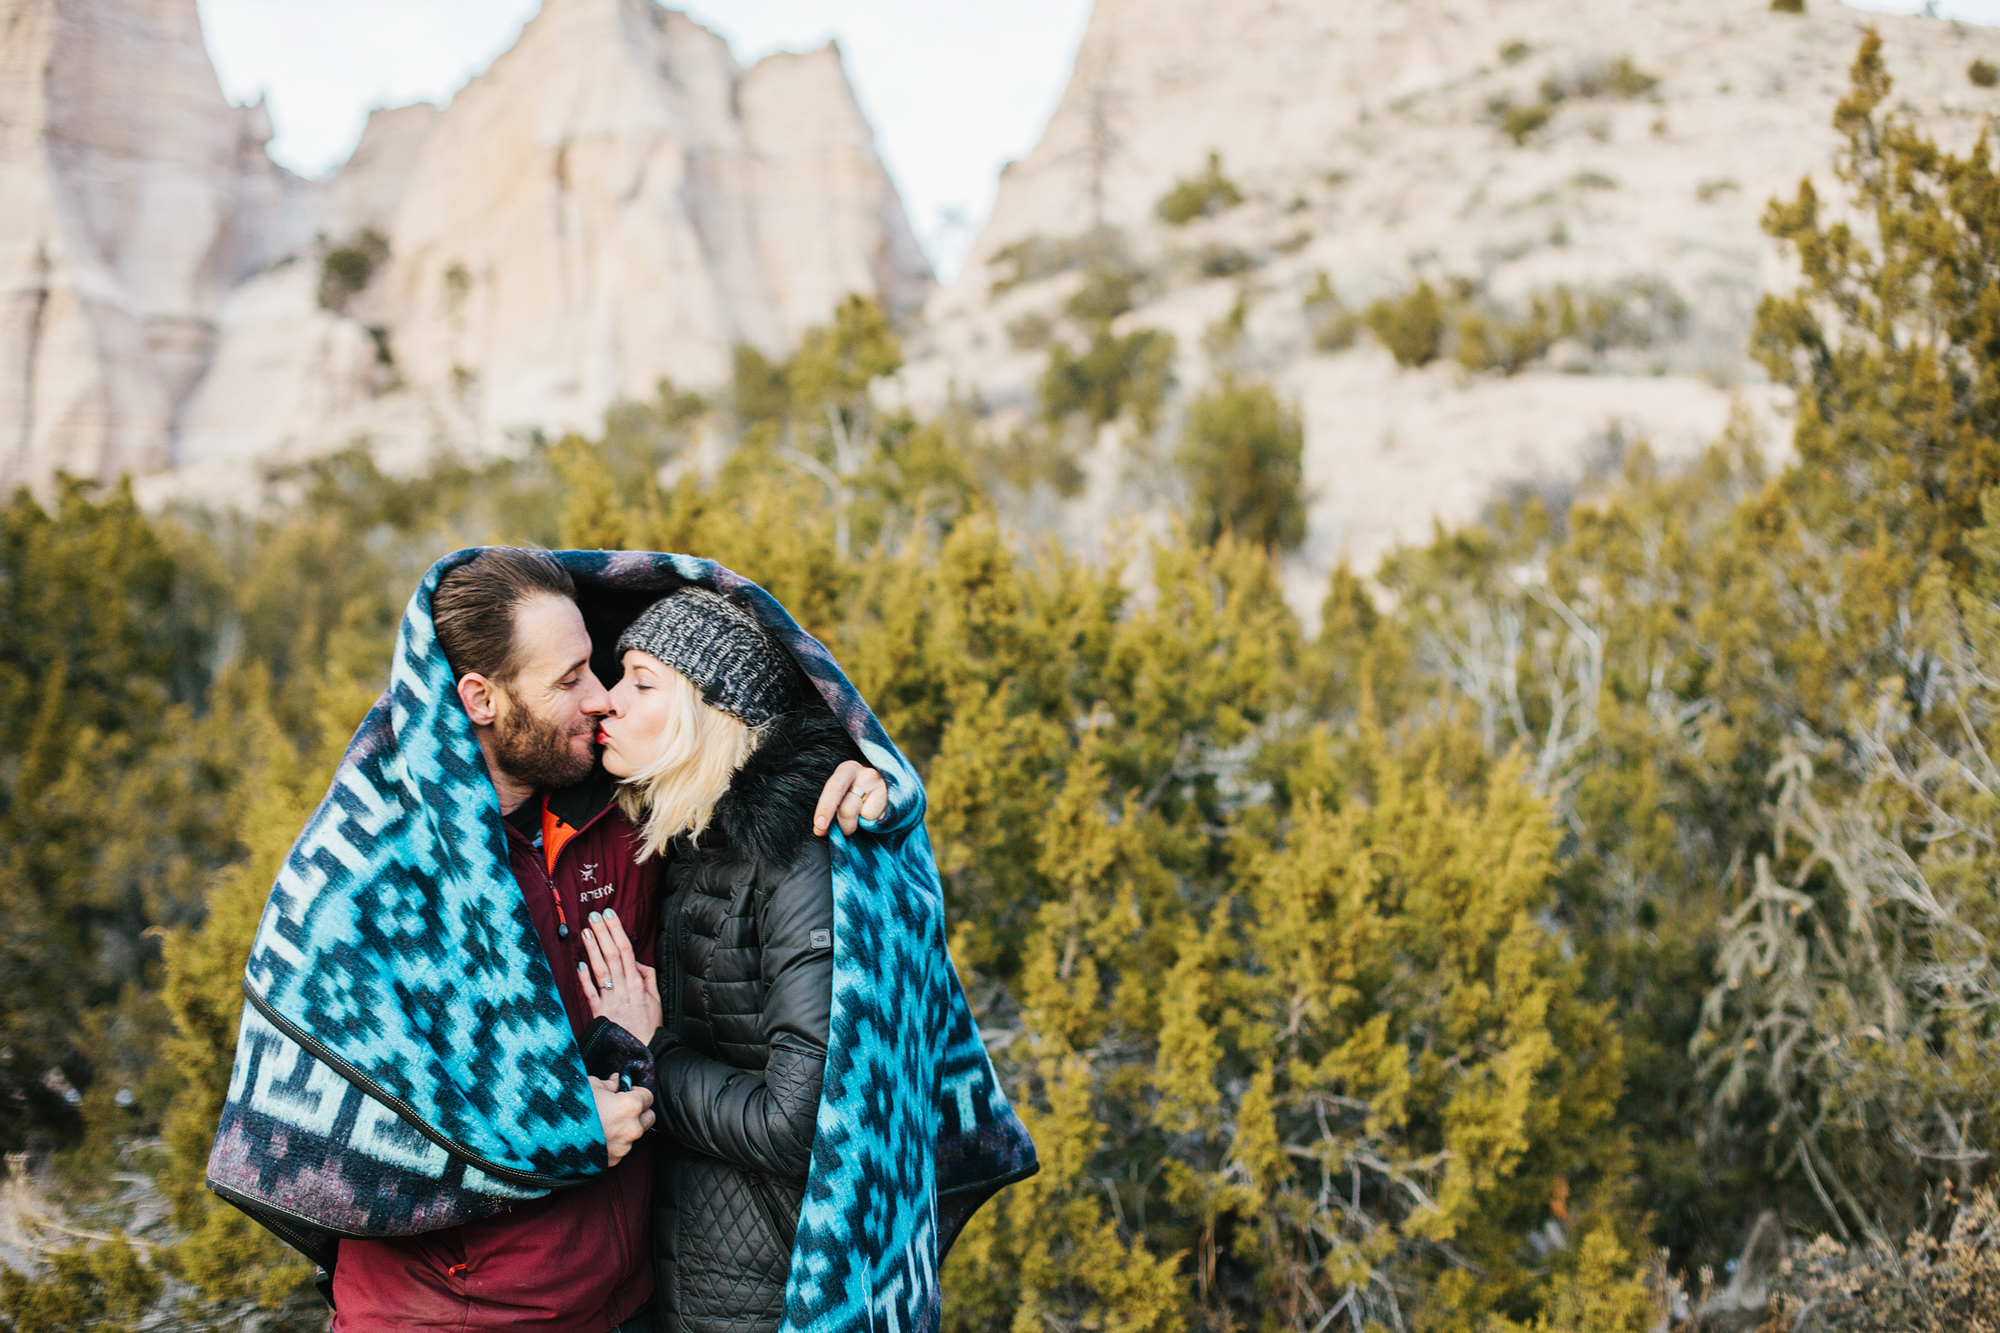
(591, 894)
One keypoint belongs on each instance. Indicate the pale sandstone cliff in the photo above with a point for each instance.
(1364, 138)
(614, 202)
(370, 185)
(134, 196)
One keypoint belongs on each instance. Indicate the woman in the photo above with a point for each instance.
(722, 748)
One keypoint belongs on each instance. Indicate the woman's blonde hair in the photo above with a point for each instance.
(676, 793)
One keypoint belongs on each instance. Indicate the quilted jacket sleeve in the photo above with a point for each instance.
(765, 1121)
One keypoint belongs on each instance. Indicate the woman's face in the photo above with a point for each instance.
(644, 715)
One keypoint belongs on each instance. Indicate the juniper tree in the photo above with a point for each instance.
(1243, 452)
(1854, 992)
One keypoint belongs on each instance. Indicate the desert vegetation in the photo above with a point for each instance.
(346, 269)
(1601, 79)
(1483, 333)
(1206, 195)
(1332, 325)
(1592, 883)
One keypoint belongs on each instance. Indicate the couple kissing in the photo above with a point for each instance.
(593, 1009)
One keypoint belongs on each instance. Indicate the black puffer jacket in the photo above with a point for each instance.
(746, 977)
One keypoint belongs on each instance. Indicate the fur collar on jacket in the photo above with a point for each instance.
(768, 809)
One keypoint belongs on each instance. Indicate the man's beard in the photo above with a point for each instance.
(536, 751)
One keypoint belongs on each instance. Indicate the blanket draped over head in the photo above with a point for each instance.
(405, 1064)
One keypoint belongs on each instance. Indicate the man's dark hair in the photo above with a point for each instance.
(474, 606)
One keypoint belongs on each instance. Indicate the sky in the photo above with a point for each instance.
(1971, 11)
(954, 88)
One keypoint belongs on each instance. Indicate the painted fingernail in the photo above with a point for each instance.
(597, 916)
(611, 912)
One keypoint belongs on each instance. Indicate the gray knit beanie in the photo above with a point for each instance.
(720, 648)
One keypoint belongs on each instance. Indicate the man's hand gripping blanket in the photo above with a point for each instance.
(404, 1063)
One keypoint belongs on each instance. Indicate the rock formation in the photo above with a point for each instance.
(1376, 145)
(615, 201)
(370, 185)
(135, 196)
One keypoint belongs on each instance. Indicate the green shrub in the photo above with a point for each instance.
(1033, 259)
(1028, 260)
(1332, 325)
(1424, 323)
(1628, 80)
(1030, 457)
(1206, 195)
(1788, 6)
(346, 270)
(1412, 327)
(1508, 345)
(1856, 1000)
(1635, 313)
(1514, 52)
(1216, 260)
(1038, 258)
(836, 362)
(1983, 73)
(1030, 332)
(1244, 458)
(1518, 121)
(1618, 78)
(1108, 291)
(457, 284)
(1111, 377)
(106, 1288)
(1606, 1294)
(758, 388)
(1223, 339)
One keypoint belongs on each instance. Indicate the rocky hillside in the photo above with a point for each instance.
(135, 198)
(1483, 245)
(1578, 182)
(614, 201)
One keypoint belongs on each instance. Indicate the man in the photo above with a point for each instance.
(577, 1259)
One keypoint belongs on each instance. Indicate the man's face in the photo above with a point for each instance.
(546, 716)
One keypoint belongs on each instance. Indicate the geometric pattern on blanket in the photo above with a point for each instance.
(404, 1063)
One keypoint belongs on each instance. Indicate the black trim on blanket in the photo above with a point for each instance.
(320, 1245)
(956, 1206)
(997, 1183)
(295, 1229)
(318, 1050)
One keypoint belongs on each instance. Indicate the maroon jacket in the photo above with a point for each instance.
(578, 1260)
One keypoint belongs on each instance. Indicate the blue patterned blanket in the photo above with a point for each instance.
(404, 1063)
